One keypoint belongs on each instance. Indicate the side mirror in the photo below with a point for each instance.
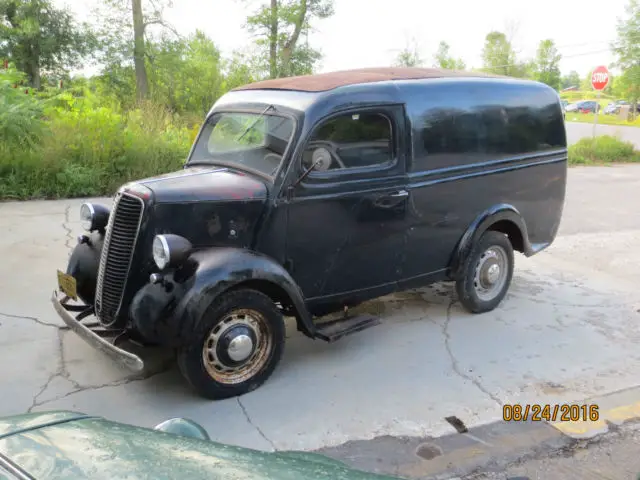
(183, 427)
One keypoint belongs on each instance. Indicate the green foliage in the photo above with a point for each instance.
(36, 36)
(409, 56)
(499, 57)
(588, 94)
(91, 148)
(185, 74)
(443, 58)
(627, 50)
(602, 149)
(21, 124)
(546, 67)
(279, 26)
(627, 86)
(571, 80)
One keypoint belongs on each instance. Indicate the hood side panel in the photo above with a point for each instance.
(209, 224)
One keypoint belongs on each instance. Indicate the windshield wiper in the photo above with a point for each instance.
(250, 127)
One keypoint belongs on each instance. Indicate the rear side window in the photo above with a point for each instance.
(351, 140)
(450, 137)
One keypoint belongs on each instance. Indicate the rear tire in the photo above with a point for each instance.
(487, 273)
(239, 344)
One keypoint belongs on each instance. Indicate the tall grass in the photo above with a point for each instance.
(79, 145)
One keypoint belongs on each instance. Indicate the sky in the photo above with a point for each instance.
(369, 33)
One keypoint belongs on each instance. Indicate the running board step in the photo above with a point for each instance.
(336, 329)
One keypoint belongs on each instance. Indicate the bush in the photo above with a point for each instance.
(603, 149)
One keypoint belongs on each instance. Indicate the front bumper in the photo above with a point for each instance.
(96, 336)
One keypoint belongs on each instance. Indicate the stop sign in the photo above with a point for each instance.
(600, 78)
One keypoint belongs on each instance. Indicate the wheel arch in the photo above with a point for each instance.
(503, 218)
(222, 270)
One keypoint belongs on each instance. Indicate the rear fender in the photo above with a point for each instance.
(504, 218)
(217, 270)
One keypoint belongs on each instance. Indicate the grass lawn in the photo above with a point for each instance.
(602, 119)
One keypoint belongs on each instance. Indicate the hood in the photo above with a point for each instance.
(66, 446)
(194, 184)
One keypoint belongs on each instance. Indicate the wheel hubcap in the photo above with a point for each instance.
(238, 347)
(491, 273)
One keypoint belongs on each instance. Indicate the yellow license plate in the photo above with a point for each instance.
(68, 285)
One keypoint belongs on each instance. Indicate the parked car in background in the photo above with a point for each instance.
(69, 445)
(588, 106)
(572, 107)
(563, 104)
(614, 107)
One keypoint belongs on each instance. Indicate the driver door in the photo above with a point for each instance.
(347, 218)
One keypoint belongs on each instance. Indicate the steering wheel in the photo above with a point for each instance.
(321, 147)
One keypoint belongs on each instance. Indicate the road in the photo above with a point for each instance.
(567, 331)
(578, 130)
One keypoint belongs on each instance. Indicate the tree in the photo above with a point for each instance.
(443, 58)
(627, 50)
(498, 55)
(409, 56)
(279, 25)
(126, 34)
(39, 37)
(185, 74)
(546, 67)
(571, 80)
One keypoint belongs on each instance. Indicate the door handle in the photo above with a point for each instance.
(399, 194)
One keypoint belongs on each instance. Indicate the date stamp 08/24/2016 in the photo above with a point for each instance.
(559, 412)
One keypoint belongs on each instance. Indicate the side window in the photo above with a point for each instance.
(351, 140)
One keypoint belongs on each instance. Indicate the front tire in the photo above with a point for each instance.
(239, 344)
(487, 273)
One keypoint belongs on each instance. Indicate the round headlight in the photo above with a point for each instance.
(170, 250)
(93, 217)
(86, 216)
(161, 253)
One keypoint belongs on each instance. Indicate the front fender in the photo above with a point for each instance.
(483, 222)
(83, 266)
(219, 269)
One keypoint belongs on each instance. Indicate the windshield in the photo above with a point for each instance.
(251, 140)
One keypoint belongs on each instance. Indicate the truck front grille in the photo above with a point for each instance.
(117, 253)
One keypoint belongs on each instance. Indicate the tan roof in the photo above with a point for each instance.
(328, 81)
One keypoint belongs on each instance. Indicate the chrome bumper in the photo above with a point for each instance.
(97, 338)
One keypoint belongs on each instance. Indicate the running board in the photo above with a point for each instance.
(336, 329)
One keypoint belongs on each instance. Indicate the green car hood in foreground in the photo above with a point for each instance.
(69, 445)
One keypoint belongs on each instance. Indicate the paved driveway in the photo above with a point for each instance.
(568, 330)
(577, 130)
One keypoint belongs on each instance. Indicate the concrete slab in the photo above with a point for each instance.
(568, 331)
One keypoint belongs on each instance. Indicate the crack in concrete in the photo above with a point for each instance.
(80, 388)
(454, 361)
(258, 429)
(64, 373)
(68, 231)
(34, 319)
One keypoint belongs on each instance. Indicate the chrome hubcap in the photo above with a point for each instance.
(491, 273)
(238, 347)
